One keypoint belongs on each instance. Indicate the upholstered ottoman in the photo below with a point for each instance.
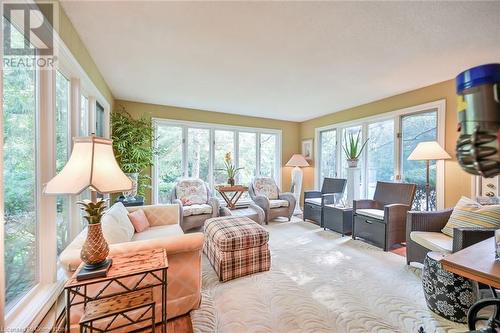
(236, 246)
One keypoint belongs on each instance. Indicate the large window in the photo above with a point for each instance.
(391, 139)
(42, 110)
(198, 150)
(417, 128)
(20, 179)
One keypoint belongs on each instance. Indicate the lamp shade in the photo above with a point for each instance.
(429, 150)
(92, 164)
(297, 160)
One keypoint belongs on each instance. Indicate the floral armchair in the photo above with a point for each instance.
(266, 194)
(196, 202)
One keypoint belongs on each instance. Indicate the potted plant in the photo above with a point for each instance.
(133, 144)
(353, 148)
(230, 168)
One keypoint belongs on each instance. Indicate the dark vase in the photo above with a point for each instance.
(230, 181)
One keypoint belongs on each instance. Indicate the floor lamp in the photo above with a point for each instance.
(428, 151)
(297, 161)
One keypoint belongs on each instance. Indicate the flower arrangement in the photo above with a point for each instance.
(353, 148)
(230, 168)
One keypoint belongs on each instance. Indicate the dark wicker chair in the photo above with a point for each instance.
(382, 221)
(434, 222)
(314, 201)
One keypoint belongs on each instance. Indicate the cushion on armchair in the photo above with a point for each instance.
(196, 210)
(266, 187)
(278, 203)
(434, 241)
(191, 192)
(373, 213)
(314, 201)
(470, 214)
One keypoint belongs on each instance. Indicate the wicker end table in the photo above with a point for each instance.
(141, 271)
(231, 199)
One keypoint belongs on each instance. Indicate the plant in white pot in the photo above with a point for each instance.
(353, 147)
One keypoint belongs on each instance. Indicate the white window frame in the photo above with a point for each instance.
(213, 127)
(32, 307)
(439, 106)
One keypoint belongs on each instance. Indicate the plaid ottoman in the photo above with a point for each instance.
(236, 246)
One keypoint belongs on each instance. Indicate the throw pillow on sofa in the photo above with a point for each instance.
(139, 220)
(116, 225)
(470, 214)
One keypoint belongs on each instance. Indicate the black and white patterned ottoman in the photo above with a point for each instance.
(447, 294)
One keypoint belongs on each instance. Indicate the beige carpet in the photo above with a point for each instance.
(319, 282)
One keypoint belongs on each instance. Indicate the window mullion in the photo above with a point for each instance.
(257, 145)
(46, 157)
(74, 121)
(184, 151)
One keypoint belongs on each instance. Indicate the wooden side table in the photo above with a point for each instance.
(128, 273)
(231, 200)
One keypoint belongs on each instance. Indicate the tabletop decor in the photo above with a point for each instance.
(353, 147)
(230, 168)
(92, 164)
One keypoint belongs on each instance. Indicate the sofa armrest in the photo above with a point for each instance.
(363, 204)
(160, 214)
(70, 257)
(214, 202)
(465, 237)
(427, 221)
(312, 194)
(394, 213)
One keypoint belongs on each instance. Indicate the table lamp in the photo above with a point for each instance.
(428, 151)
(297, 161)
(92, 165)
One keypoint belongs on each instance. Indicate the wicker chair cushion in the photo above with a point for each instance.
(278, 203)
(314, 201)
(373, 213)
(235, 233)
(434, 241)
(470, 214)
(196, 210)
(191, 192)
(266, 186)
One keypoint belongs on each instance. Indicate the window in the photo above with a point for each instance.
(20, 179)
(100, 122)
(380, 154)
(198, 150)
(328, 154)
(417, 128)
(62, 155)
(392, 137)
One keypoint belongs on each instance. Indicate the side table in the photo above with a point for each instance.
(231, 200)
(128, 273)
(338, 219)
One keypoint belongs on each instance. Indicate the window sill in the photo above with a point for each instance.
(29, 312)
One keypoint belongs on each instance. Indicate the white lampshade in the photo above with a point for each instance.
(297, 160)
(429, 150)
(91, 164)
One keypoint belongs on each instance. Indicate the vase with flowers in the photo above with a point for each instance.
(230, 169)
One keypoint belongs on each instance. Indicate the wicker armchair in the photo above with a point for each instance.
(433, 223)
(314, 201)
(382, 221)
(266, 194)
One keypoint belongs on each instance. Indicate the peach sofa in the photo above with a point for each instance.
(183, 252)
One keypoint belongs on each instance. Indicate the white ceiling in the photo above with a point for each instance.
(283, 60)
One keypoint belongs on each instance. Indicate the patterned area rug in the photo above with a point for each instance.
(319, 282)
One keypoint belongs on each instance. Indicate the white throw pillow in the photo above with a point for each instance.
(116, 225)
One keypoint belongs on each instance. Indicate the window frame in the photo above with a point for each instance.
(30, 309)
(212, 127)
(396, 115)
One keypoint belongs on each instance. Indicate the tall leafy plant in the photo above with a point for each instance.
(133, 144)
(353, 146)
